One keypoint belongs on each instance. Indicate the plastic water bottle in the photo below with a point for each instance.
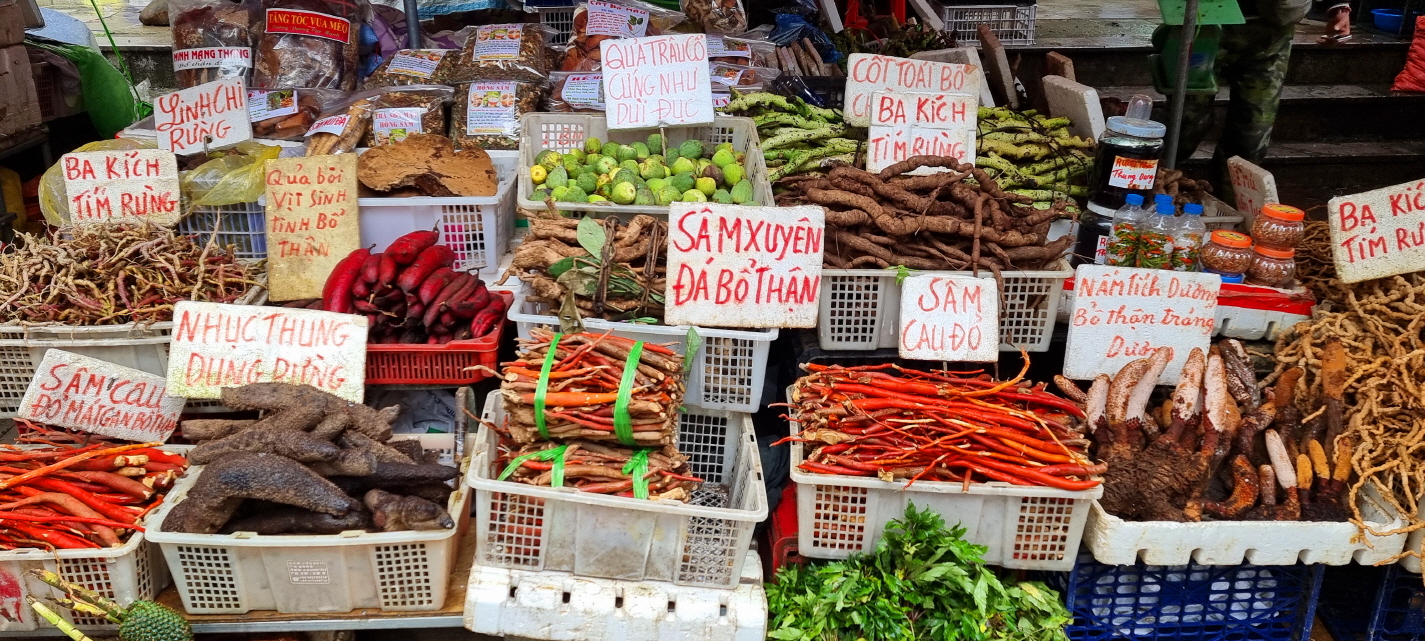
(1127, 225)
(1155, 242)
(1187, 240)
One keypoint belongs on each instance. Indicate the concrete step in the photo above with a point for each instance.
(1324, 113)
(1310, 173)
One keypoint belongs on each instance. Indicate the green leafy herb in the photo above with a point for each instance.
(695, 343)
(591, 237)
(923, 581)
(560, 266)
(902, 273)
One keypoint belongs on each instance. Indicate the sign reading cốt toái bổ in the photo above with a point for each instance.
(736, 266)
(217, 345)
(82, 393)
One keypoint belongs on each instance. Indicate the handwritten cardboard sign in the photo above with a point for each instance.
(312, 222)
(655, 81)
(870, 73)
(921, 124)
(949, 318)
(1378, 233)
(735, 266)
(1253, 186)
(1122, 314)
(78, 392)
(217, 346)
(135, 185)
(208, 116)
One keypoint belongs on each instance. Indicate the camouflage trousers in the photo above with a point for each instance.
(1252, 60)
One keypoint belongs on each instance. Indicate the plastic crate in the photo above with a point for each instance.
(1012, 24)
(1118, 542)
(562, 132)
(1029, 528)
(291, 573)
(49, 88)
(244, 226)
(477, 229)
(131, 572)
(560, 20)
(453, 363)
(1373, 604)
(519, 604)
(699, 544)
(728, 373)
(859, 309)
(1197, 602)
(782, 530)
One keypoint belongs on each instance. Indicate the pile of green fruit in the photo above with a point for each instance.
(643, 173)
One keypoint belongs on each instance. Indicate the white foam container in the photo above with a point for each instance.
(561, 607)
(859, 309)
(702, 543)
(728, 372)
(300, 574)
(1118, 542)
(1254, 324)
(477, 229)
(1023, 527)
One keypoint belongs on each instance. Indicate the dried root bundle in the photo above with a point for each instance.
(114, 274)
(625, 281)
(602, 468)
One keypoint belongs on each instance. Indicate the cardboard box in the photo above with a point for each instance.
(19, 104)
(12, 23)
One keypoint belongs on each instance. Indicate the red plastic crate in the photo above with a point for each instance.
(782, 532)
(448, 364)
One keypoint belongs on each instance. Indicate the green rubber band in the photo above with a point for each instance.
(542, 386)
(555, 454)
(623, 424)
(637, 467)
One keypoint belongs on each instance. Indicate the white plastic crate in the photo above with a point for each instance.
(1115, 541)
(558, 606)
(131, 572)
(859, 309)
(562, 132)
(1027, 528)
(300, 573)
(1012, 24)
(701, 544)
(1254, 324)
(244, 226)
(728, 372)
(477, 229)
(560, 20)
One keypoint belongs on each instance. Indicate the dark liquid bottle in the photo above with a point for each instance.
(1126, 161)
(1091, 241)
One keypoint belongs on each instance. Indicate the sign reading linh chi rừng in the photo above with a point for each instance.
(134, 185)
(217, 345)
(208, 116)
(656, 81)
(82, 393)
(1378, 233)
(311, 222)
(736, 266)
(949, 318)
(1122, 314)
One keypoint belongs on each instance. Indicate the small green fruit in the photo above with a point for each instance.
(711, 171)
(723, 158)
(694, 196)
(645, 197)
(703, 163)
(682, 165)
(722, 196)
(539, 195)
(592, 145)
(640, 151)
(606, 165)
(667, 195)
(651, 170)
(630, 164)
(558, 193)
(624, 193)
(592, 159)
(578, 154)
(549, 158)
(624, 176)
(538, 173)
(658, 158)
(595, 198)
(733, 174)
(627, 153)
(723, 145)
(682, 181)
(707, 186)
(576, 195)
(558, 177)
(691, 149)
(742, 192)
(587, 182)
(610, 148)
(655, 143)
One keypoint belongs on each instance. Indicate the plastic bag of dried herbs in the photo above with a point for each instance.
(402, 111)
(503, 52)
(487, 114)
(414, 67)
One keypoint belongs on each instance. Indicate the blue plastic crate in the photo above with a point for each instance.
(1198, 602)
(1374, 604)
(244, 226)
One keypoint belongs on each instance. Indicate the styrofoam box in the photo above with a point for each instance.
(728, 372)
(1115, 541)
(562, 607)
(299, 573)
(1413, 542)
(1254, 324)
(562, 132)
(1028, 528)
(702, 543)
(859, 309)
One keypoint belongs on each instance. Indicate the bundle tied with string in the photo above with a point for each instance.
(644, 473)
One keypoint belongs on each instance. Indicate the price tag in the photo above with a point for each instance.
(311, 222)
(656, 81)
(208, 116)
(870, 73)
(78, 392)
(1122, 314)
(137, 185)
(1253, 186)
(217, 346)
(1378, 233)
(921, 124)
(949, 318)
(735, 266)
